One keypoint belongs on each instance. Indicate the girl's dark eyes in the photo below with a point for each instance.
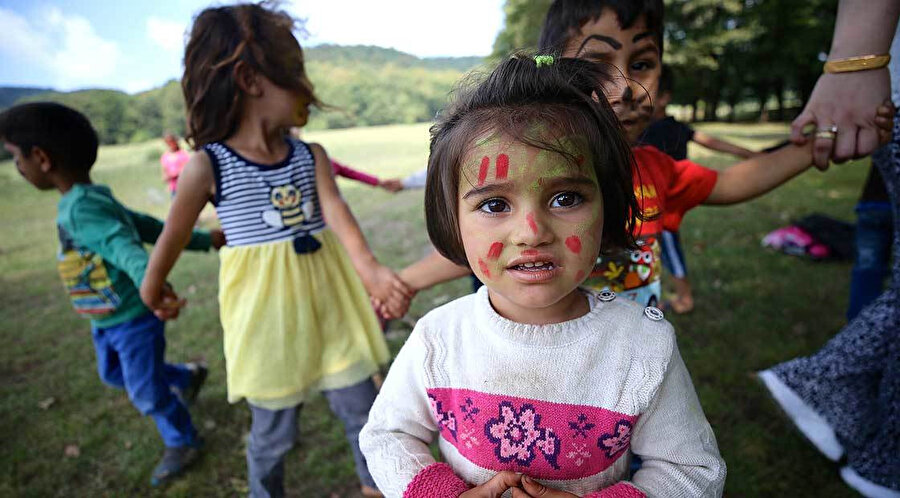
(566, 200)
(494, 206)
(641, 66)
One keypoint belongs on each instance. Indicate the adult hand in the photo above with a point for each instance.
(847, 101)
(495, 487)
(534, 489)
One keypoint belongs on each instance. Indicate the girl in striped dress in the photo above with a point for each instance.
(292, 289)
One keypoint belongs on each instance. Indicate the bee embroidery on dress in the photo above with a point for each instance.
(286, 201)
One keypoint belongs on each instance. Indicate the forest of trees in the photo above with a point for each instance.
(758, 56)
(362, 86)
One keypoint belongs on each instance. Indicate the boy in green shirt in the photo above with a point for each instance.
(102, 262)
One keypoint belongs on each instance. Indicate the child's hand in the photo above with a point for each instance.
(391, 185)
(535, 489)
(389, 293)
(496, 486)
(218, 238)
(884, 120)
(169, 305)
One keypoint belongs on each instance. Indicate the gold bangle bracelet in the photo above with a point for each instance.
(861, 63)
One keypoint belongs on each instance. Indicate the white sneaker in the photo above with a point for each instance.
(810, 423)
(866, 487)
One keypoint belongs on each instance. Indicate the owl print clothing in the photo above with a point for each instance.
(295, 315)
(566, 403)
(663, 186)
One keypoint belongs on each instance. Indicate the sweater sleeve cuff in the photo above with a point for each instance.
(618, 490)
(436, 481)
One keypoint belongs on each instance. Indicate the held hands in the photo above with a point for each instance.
(846, 101)
(389, 294)
(392, 185)
(162, 300)
(218, 238)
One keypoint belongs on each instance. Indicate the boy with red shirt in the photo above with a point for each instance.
(629, 36)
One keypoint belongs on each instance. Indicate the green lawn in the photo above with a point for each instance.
(65, 434)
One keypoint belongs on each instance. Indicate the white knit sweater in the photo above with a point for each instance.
(566, 404)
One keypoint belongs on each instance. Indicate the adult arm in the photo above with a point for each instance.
(719, 145)
(846, 100)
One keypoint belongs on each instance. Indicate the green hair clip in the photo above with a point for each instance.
(543, 60)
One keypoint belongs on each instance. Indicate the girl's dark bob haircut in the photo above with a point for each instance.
(257, 35)
(566, 97)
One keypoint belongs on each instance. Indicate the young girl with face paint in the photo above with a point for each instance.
(292, 289)
(533, 385)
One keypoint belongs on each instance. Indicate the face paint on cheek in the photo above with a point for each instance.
(531, 224)
(484, 268)
(573, 242)
(483, 170)
(579, 276)
(494, 251)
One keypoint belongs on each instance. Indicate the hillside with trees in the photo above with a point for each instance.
(361, 86)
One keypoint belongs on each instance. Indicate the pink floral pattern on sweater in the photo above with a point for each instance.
(546, 440)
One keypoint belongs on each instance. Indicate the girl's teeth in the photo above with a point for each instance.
(528, 265)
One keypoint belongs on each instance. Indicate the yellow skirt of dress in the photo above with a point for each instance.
(295, 323)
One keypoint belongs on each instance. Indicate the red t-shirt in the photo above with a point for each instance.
(667, 189)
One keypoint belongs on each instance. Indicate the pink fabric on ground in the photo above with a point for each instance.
(172, 164)
(618, 490)
(348, 172)
(543, 439)
(436, 481)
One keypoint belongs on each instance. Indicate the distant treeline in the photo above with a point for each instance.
(362, 85)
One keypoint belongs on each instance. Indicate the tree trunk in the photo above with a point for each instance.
(694, 105)
(779, 97)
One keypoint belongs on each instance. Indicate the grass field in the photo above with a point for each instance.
(63, 433)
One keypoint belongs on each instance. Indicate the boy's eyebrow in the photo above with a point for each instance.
(612, 42)
(641, 36)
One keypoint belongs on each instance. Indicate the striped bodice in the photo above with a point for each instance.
(259, 203)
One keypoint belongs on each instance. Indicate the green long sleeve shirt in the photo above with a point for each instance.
(102, 259)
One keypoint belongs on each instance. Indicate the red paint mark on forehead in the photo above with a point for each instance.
(573, 242)
(484, 268)
(531, 224)
(502, 166)
(495, 250)
(483, 170)
(579, 160)
(579, 277)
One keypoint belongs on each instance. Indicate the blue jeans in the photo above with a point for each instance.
(872, 254)
(131, 356)
(673, 254)
(274, 432)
